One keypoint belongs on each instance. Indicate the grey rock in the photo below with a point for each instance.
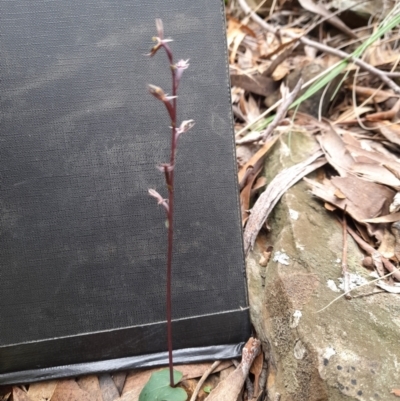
(347, 351)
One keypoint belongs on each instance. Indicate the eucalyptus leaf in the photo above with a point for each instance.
(158, 388)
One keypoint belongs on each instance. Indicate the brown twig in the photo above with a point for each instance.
(384, 77)
(367, 92)
(280, 114)
(278, 60)
(282, 110)
(385, 115)
(203, 379)
(368, 294)
(346, 276)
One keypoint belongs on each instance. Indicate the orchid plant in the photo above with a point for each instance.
(168, 169)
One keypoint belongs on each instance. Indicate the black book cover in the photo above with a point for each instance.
(82, 244)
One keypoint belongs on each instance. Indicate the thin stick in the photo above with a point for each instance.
(385, 115)
(346, 276)
(203, 379)
(368, 294)
(346, 293)
(280, 114)
(278, 60)
(324, 48)
(282, 110)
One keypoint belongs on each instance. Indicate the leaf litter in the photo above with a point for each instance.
(356, 128)
(349, 104)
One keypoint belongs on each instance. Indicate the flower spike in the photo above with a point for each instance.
(170, 104)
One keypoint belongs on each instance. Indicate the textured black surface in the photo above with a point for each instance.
(82, 245)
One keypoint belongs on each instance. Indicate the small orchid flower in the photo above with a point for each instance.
(159, 94)
(160, 200)
(179, 67)
(165, 167)
(185, 126)
(159, 39)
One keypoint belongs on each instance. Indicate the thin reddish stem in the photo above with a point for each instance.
(170, 186)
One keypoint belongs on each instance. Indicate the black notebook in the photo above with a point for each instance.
(82, 244)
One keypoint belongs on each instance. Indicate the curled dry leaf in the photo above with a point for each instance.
(387, 245)
(389, 130)
(395, 205)
(19, 395)
(236, 32)
(230, 388)
(335, 151)
(393, 289)
(376, 95)
(43, 391)
(339, 156)
(363, 200)
(270, 197)
(256, 369)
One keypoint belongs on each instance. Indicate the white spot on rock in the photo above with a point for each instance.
(299, 350)
(355, 281)
(329, 352)
(281, 257)
(332, 286)
(295, 320)
(294, 215)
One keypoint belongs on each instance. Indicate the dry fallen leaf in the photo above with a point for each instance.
(389, 288)
(19, 395)
(236, 32)
(389, 130)
(363, 200)
(230, 388)
(68, 390)
(319, 8)
(108, 388)
(274, 191)
(335, 151)
(119, 380)
(339, 194)
(256, 369)
(42, 391)
(376, 95)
